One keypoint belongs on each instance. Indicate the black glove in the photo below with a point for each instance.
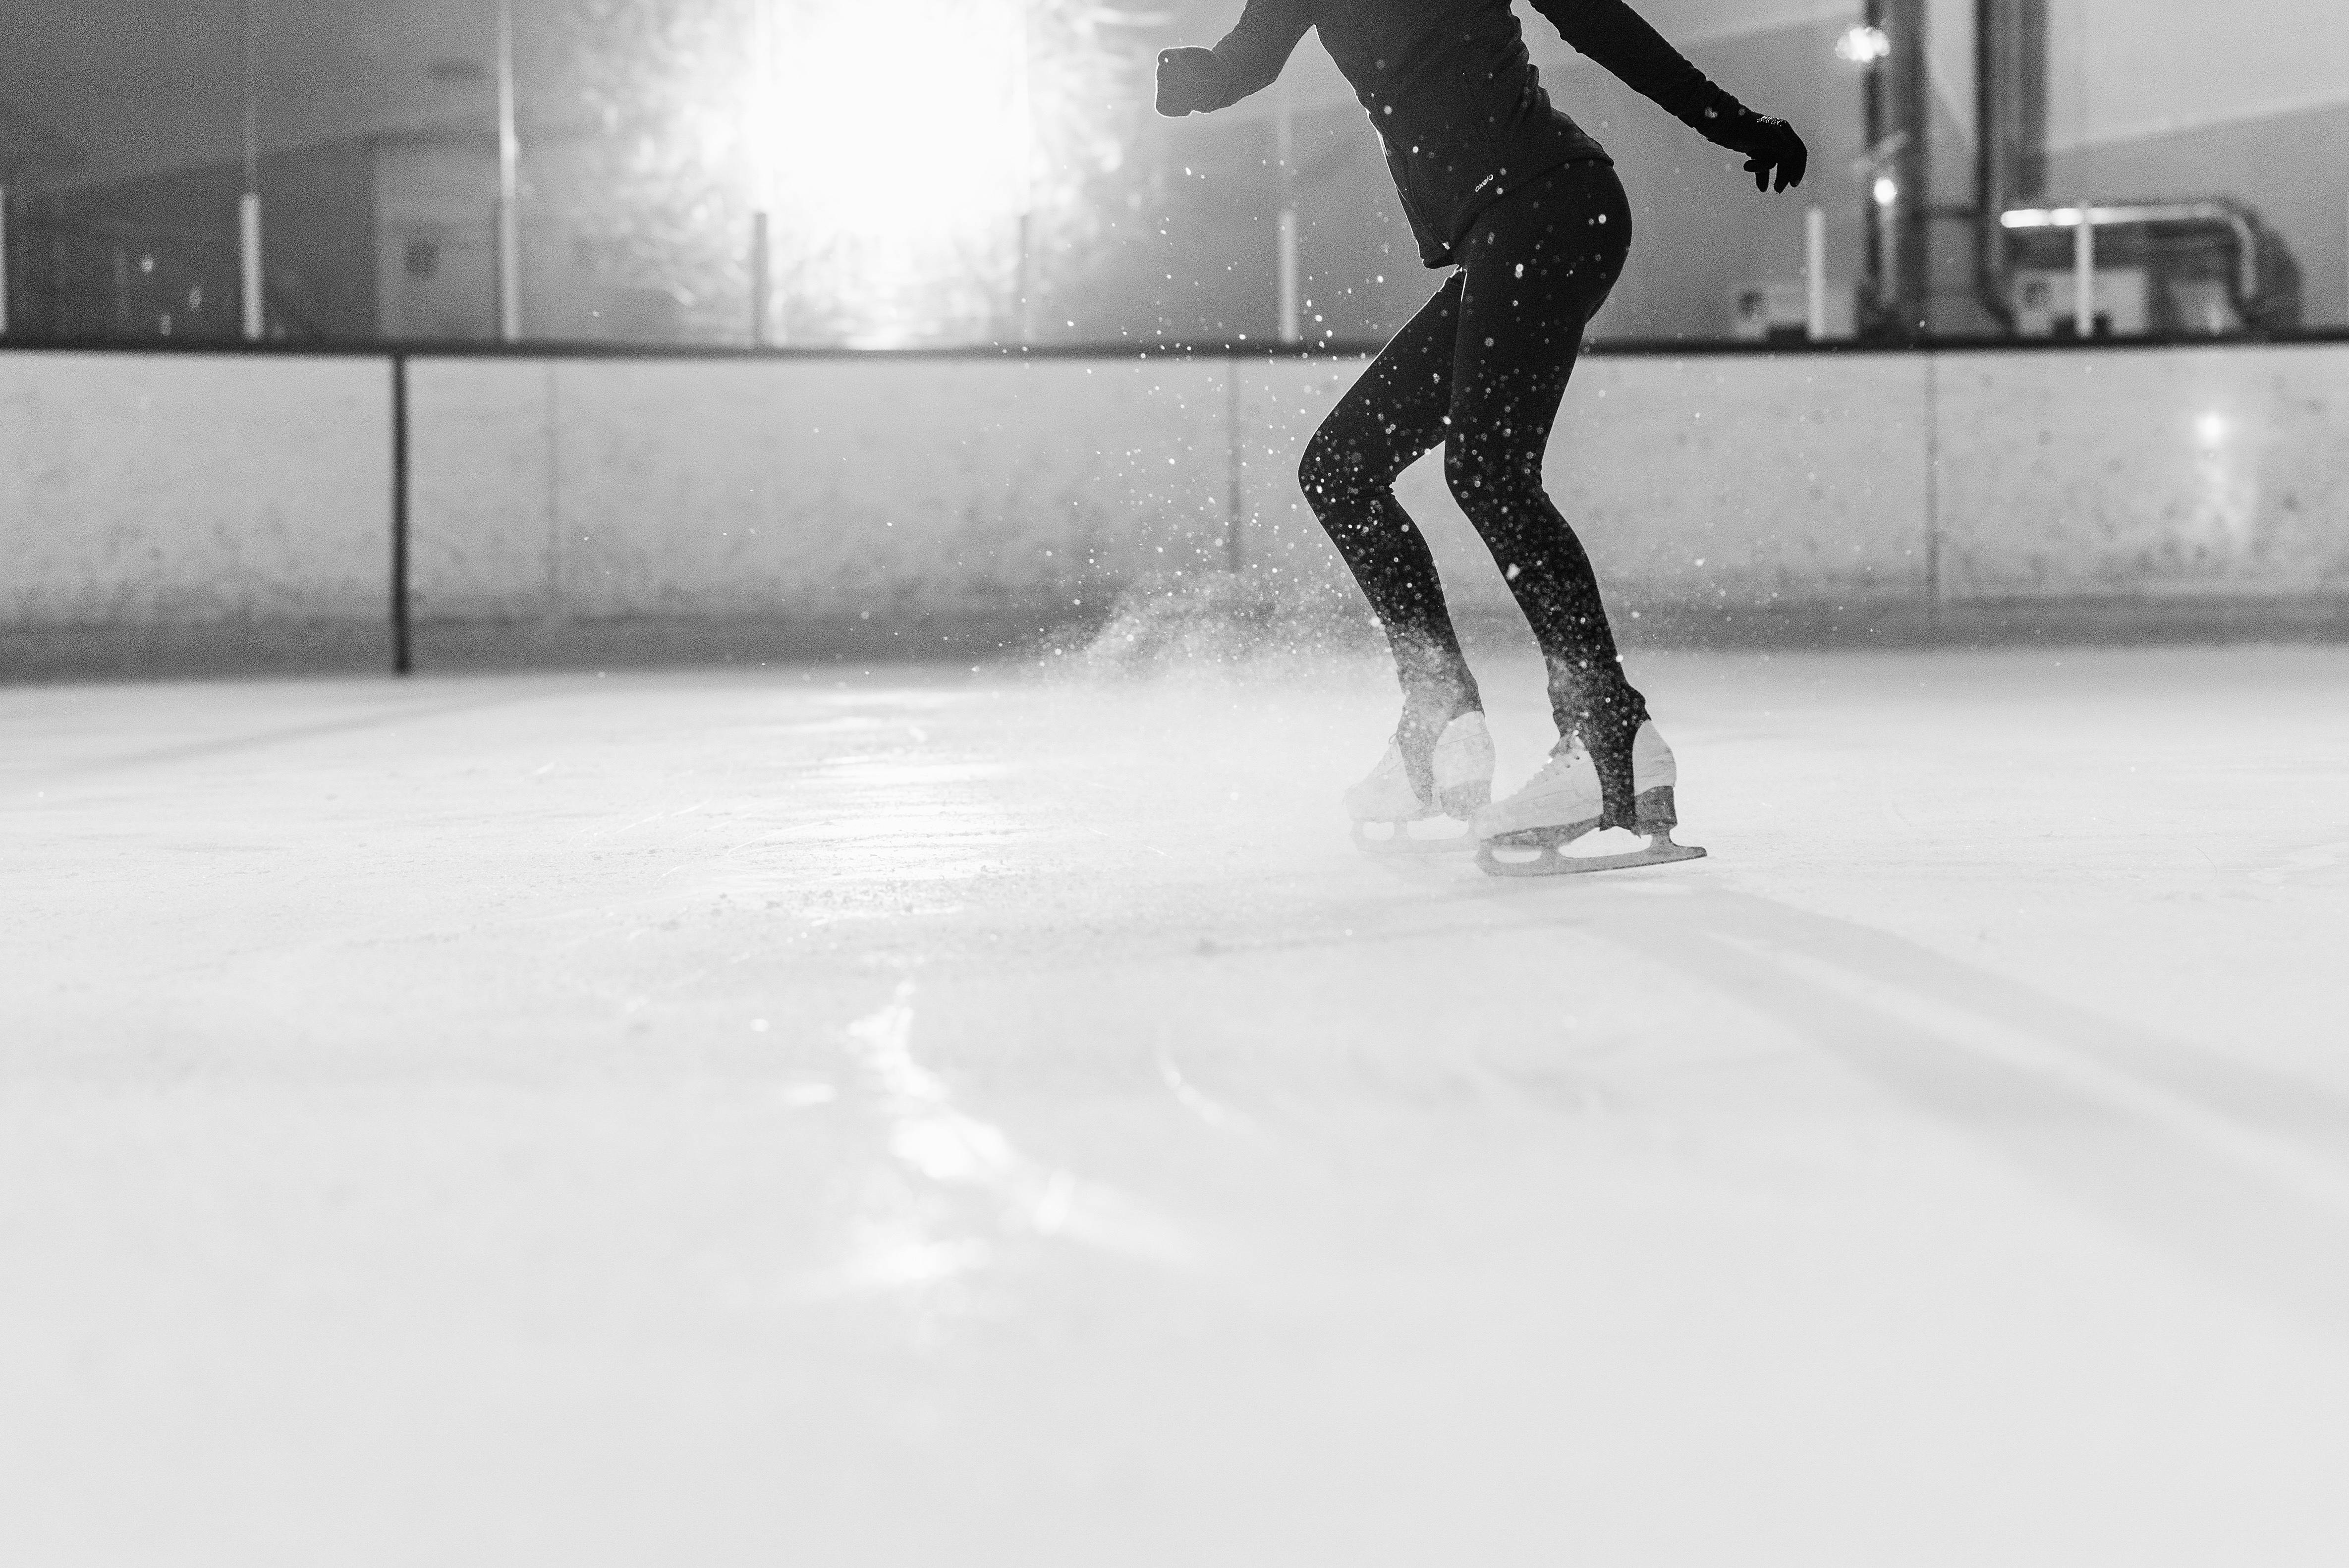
(1188, 79)
(1768, 144)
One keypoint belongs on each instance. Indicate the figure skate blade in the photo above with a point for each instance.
(1545, 855)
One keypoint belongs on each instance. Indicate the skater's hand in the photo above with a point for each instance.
(1769, 145)
(1187, 80)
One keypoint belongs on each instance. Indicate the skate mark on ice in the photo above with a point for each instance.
(2260, 1098)
(2234, 1169)
(1014, 1197)
(2288, 1165)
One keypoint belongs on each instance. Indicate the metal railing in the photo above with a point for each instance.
(2083, 219)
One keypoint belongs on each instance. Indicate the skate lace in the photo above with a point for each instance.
(1562, 758)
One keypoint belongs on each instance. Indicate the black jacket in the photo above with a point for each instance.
(1458, 104)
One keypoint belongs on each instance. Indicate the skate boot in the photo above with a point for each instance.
(1384, 805)
(1526, 834)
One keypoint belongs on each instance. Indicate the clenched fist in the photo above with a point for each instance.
(1187, 80)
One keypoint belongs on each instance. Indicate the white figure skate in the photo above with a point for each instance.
(1526, 834)
(1384, 805)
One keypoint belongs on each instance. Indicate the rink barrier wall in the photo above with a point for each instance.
(156, 509)
(452, 506)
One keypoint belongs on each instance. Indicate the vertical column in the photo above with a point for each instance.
(1899, 118)
(1913, 91)
(2084, 273)
(761, 270)
(1814, 272)
(763, 136)
(1024, 177)
(1890, 253)
(248, 206)
(1024, 279)
(1930, 364)
(403, 653)
(509, 185)
(2010, 134)
(1293, 326)
(1235, 476)
(248, 249)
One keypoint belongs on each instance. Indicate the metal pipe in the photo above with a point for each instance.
(1891, 262)
(1896, 99)
(1024, 280)
(509, 244)
(1999, 91)
(248, 252)
(762, 130)
(1871, 216)
(2247, 247)
(1024, 97)
(1815, 272)
(402, 651)
(2084, 274)
(1990, 151)
(1914, 94)
(1292, 324)
(248, 206)
(758, 277)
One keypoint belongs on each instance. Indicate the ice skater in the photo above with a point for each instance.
(1526, 205)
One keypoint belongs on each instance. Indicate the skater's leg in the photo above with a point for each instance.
(1538, 267)
(1394, 414)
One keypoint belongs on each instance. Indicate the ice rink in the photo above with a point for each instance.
(938, 1117)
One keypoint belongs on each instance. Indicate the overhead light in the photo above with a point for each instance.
(1864, 46)
(1887, 191)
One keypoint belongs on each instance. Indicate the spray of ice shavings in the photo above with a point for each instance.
(1266, 615)
(949, 1150)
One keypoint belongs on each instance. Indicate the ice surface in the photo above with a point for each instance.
(949, 1118)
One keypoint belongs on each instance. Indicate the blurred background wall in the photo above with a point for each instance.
(651, 132)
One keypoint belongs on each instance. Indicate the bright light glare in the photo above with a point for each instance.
(1887, 190)
(2212, 428)
(935, 145)
(1864, 46)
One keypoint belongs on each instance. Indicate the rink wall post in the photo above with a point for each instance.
(1932, 570)
(403, 660)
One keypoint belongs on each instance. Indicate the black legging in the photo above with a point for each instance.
(1480, 368)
